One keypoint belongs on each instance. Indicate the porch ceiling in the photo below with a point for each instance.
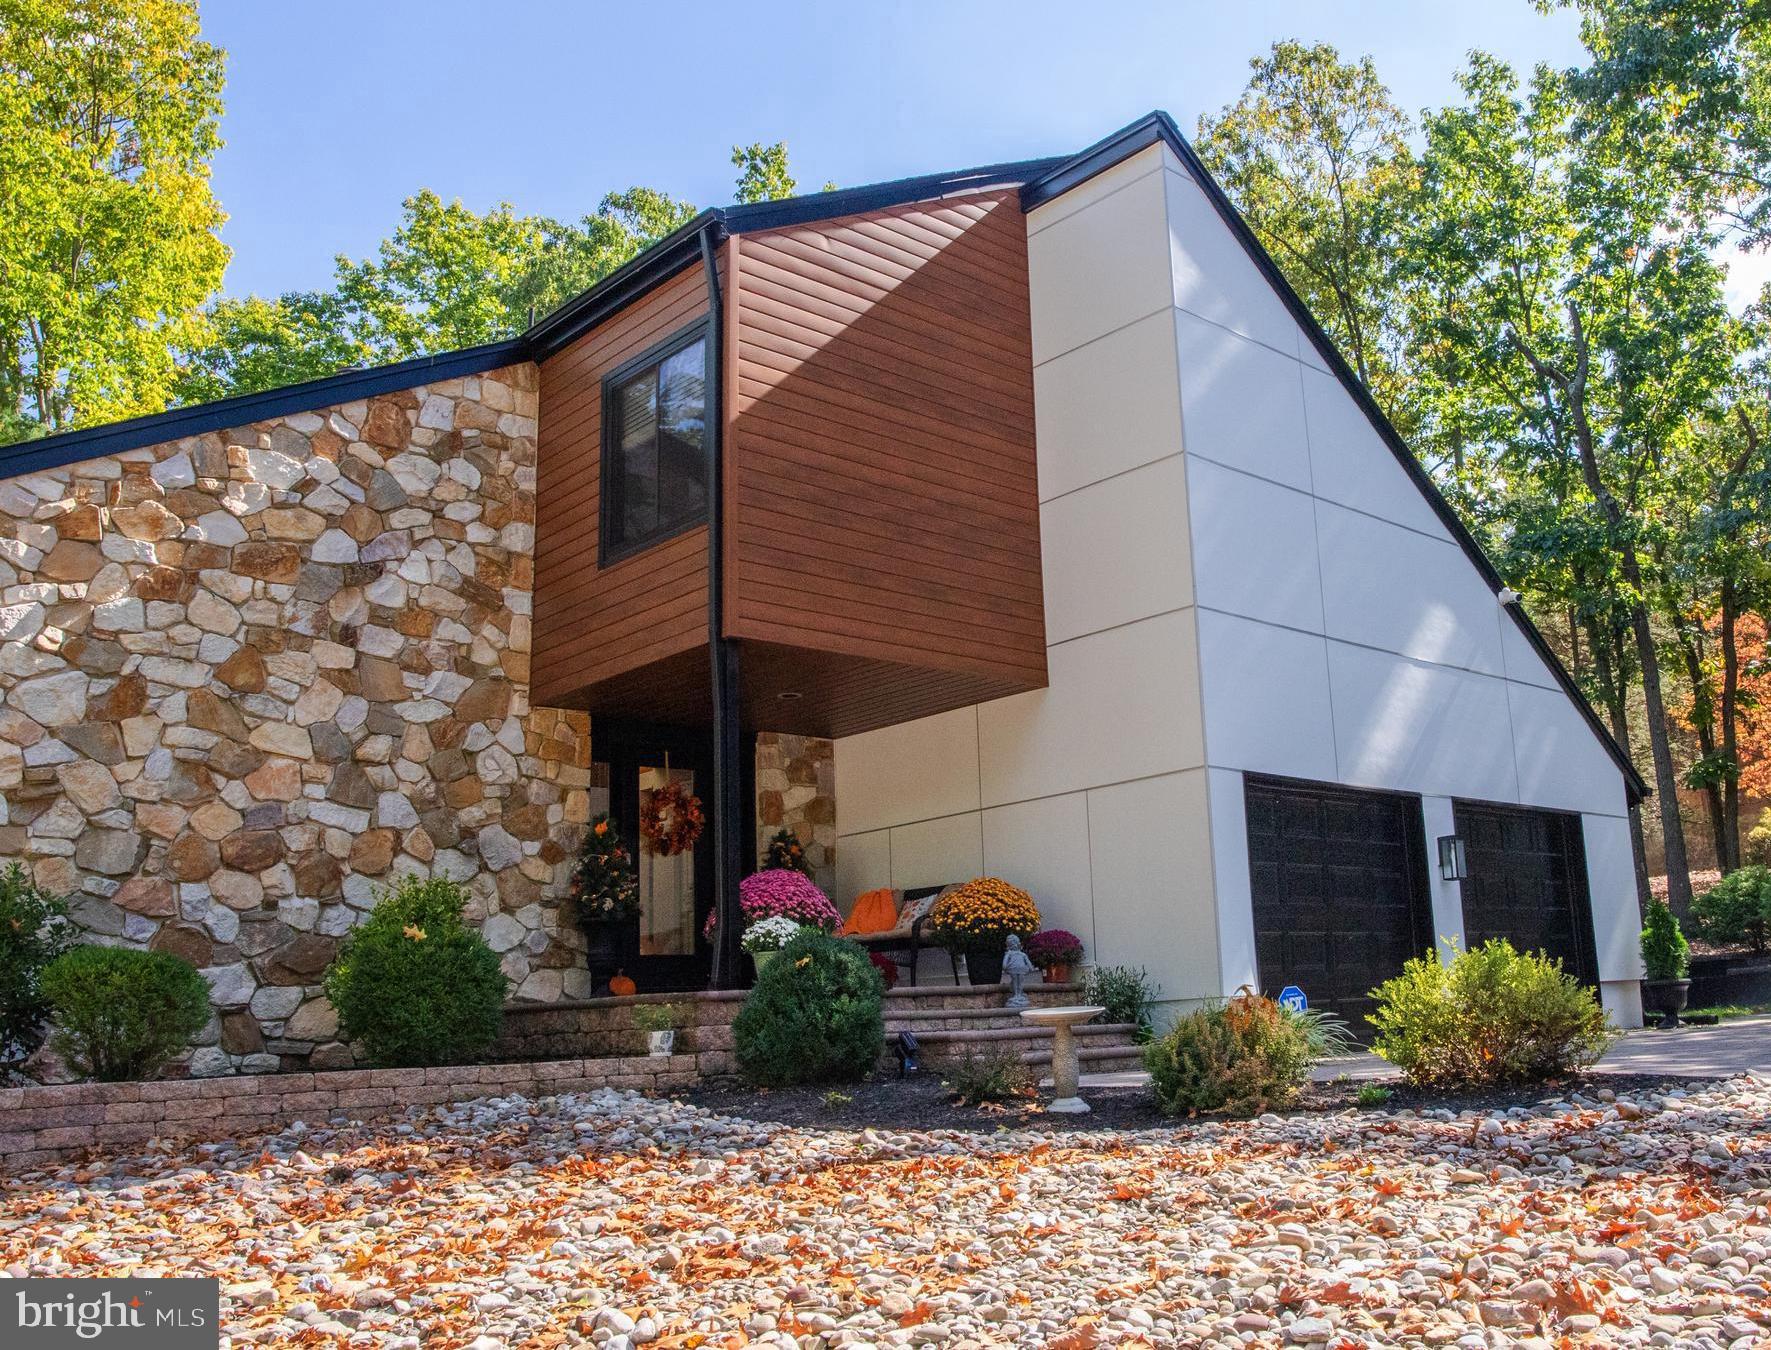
(827, 693)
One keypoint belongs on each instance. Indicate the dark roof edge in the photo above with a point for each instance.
(1160, 127)
(70, 447)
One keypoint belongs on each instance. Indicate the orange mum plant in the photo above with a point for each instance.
(981, 914)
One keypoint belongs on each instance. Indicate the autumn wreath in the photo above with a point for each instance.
(670, 820)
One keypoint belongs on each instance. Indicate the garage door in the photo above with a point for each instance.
(1527, 882)
(1340, 889)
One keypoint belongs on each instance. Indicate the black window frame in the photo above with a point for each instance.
(656, 355)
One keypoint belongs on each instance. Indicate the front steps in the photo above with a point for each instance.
(952, 1024)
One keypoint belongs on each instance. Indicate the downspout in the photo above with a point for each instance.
(722, 652)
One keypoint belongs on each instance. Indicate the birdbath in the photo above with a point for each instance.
(1065, 1098)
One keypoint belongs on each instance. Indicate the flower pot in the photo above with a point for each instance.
(984, 967)
(1666, 997)
(762, 960)
(1057, 974)
(610, 945)
(661, 1042)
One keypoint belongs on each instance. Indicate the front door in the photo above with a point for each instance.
(676, 889)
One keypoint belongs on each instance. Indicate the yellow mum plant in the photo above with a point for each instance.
(982, 913)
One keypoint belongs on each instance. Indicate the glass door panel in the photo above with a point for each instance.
(667, 884)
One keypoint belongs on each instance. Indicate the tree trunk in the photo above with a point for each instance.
(1612, 696)
(1703, 724)
(1730, 724)
(1666, 783)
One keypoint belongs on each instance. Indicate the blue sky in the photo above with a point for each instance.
(335, 111)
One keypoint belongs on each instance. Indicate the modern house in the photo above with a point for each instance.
(1018, 521)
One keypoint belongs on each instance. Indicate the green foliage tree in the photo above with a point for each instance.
(108, 247)
(34, 930)
(1316, 155)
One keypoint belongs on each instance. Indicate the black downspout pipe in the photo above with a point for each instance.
(722, 654)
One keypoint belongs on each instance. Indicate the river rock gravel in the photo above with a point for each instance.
(612, 1220)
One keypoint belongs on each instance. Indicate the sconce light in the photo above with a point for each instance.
(1454, 865)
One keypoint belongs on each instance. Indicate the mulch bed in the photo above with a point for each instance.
(922, 1103)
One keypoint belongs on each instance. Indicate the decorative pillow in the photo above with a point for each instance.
(916, 909)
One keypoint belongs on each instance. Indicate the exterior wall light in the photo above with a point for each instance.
(1454, 864)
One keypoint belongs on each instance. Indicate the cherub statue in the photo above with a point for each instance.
(1016, 967)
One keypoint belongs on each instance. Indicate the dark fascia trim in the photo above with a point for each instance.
(70, 447)
(1159, 127)
(813, 206)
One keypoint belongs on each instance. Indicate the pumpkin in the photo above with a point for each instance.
(622, 986)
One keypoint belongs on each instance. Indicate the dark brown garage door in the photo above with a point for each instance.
(1527, 882)
(1340, 890)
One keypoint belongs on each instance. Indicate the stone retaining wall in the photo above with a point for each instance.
(248, 676)
(46, 1124)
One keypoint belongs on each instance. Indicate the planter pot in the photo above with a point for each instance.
(762, 960)
(1056, 974)
(984, 967)
(610, 945)
(661, 1042)
(1666, 997)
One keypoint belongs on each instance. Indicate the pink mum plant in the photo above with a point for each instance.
(781, 892)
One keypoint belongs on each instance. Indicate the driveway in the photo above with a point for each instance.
(1740, 1045)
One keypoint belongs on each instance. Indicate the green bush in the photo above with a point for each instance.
(1372, 1095)
(34, 930)
(413, 984)
(989, 1078)
(1737, 908)
(1493, 1015)
(814, 1016)
(1241, 1057)
(121, 1014)
(1126, 992)
(1756, 847)
(1666, 955)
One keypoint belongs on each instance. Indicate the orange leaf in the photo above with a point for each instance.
(916, 1316)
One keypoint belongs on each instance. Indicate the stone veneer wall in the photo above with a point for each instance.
(247, 677)
(796, 788)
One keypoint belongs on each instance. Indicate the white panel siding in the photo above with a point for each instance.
(863, 863)
(1215, 279)
(935, 852)
(1122, 704)
(1247, 535)
(1242, 403)
(1042, 846)
(1150, 852)
(1123, 542)
(1237, 965)
(1098, 269)
(912, 771)
(1561, 762)
(1108, 406)
(1438, 819)
(1350, 463)
(1267, 704)
(1611, 882)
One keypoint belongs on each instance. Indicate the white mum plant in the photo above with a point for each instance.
(769, 935)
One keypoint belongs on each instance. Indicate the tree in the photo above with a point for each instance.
(1578, 323)
(763, 175)
(108, 123)
(1315, 155)
(255, 344)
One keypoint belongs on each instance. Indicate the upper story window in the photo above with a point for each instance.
(655, 445)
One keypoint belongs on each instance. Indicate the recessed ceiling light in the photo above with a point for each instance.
(790, 696)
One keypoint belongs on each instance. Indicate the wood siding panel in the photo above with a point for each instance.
(594, 624)
(882, 502)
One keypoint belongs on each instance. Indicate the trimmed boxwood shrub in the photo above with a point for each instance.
(1241, 1057)
(815, 1015)
(121, 1014)
(413, 984)
(1737, 909)
(1493, 1015)
(34, 930)
(1666, 955)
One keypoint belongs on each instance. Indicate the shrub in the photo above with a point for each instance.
(779, 892)
(1242, 1057)
(34, 930)
(121, 1014)
(1493, 1015)
(1054, 947)
(1737, 908)
(1666, 955)
(980, 915)
(1124, 991)
(650, 1017)
(1372, 1094)
(989, 1079)
(814, 1015)
(413, 984)
(1756, 847)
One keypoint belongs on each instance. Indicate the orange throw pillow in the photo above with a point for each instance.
(874, 912)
